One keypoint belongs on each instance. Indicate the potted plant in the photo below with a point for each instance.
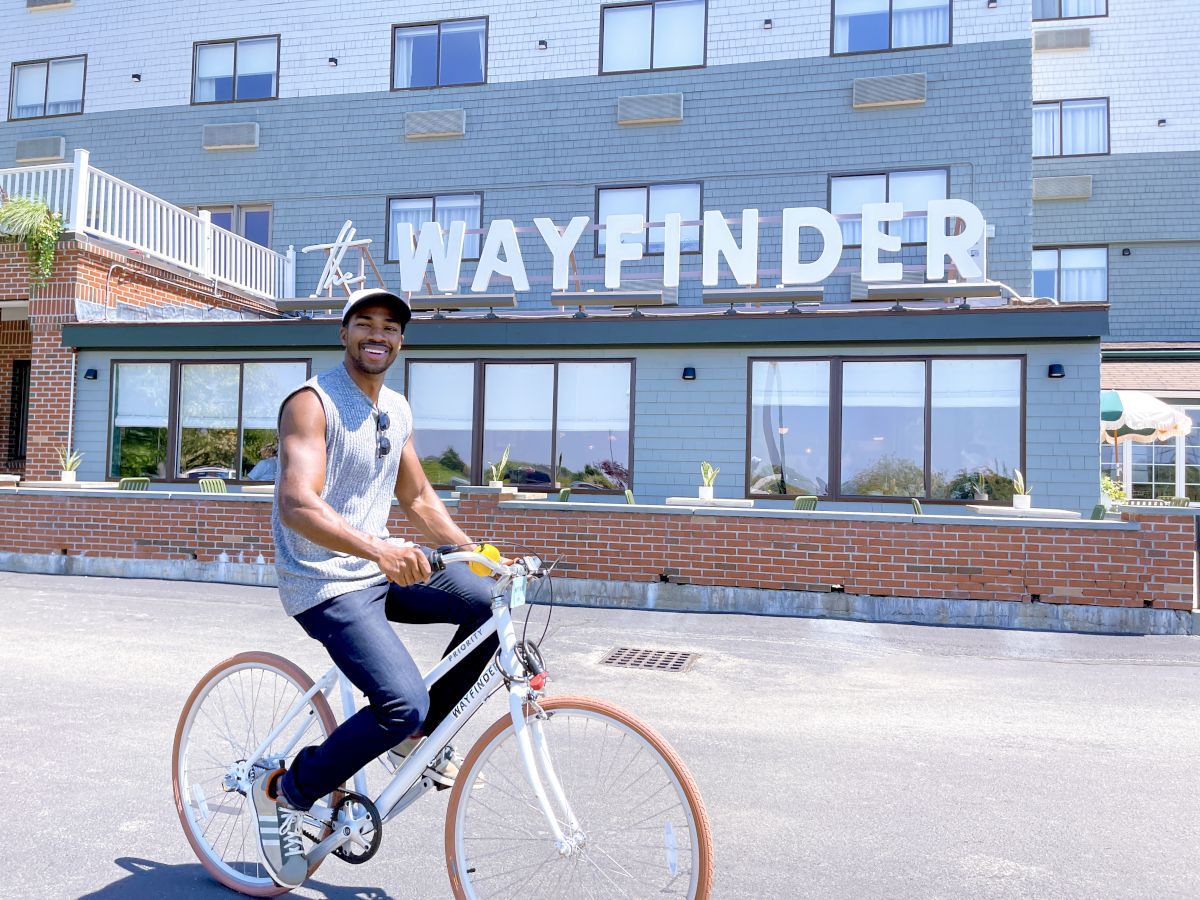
(708, 476)
(979, 487)
(1111, 493)
(69, 461)
(30, 220)
(1021, 492)
(497, 469)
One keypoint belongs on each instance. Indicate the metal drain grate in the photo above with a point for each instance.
(655, 660)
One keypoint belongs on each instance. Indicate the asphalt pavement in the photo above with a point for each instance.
(837, 759)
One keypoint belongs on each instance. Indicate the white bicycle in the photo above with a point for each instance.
(563, 797)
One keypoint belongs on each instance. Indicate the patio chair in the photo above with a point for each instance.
(1098, 511)
(917, 511)
(564, 495)
(806, 503)
(141, 483)
(1178, 501)
(1145, 501)
(212, 486)
(629, 497)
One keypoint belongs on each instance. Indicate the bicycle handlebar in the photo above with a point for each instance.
(530, 566)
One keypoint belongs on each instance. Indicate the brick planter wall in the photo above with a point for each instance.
(1145, 561)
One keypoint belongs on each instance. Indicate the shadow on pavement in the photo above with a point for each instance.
(152, 880)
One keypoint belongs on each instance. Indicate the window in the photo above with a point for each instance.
(235, 71)
(251, 222)
(652, 203)
(1068, 9)
(848, 193)
(439, 54)
(1071, 274)
(51, 87)
(643, 37)
(926, 428)
(565, 424)
(444, 209)
(1070, 128)
(219, 420)
(863, 26)
(1161, 469)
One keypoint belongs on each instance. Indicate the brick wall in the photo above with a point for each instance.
(1103, 566)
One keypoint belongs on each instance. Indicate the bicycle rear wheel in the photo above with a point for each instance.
(645, 828)
(230, 711)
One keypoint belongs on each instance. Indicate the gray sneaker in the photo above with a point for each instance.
(280, 844)
(442, 773)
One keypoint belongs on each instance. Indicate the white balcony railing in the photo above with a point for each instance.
(94, 202)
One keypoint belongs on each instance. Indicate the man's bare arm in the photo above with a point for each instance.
(422, 505)
(301, 479)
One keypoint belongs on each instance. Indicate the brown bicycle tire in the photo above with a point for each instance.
(590, 704)
(319, 702)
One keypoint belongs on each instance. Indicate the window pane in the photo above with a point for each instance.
(626, 38)
(860, 25)
(208, 409)
(416, 212)
(222, 218)
(593, 425)
(139, 430)
(883, 428)
(264, 388)
(256, 226)
(678, 33)
(619, 201)
(214, 73)
(460, 208)
(30, 94)
(789, 427)
(442, 397)
(1045, 129)
(1045, 9)
(463, 52)
(847, 196)
(64, 90)
(675, 198)
(975, 426)
(919, 23)
(518, 413)
(1085, 273)
(256, 68)
(915, 190)
(1045, 273)
(416, 57)
(1072, 9)
(1084, 126)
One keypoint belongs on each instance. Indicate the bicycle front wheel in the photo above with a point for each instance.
(229, 713)
(644, 831)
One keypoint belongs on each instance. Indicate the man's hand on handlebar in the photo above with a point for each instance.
(403, 565)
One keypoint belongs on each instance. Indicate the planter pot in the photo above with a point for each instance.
(1022, 501)
(706, 492)
(495, 484)
(67, 477)
(981, 497)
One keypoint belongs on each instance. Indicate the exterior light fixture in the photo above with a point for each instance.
(992, 4)
(1125, 251)
(333, 62)
(1056, 370)
(90, 375)
(543, 44)
(137, 77)
(689, 373)
(768, 24)
(1162, 123)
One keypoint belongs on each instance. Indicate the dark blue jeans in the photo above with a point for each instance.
(356, 630)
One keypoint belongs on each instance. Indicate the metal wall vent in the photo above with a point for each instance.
(231, 136)
(649, 109)
(47, 4)
(1062, 39)
(42, 150)
(435, 123)
(655, 660)
(858, 287)
(669, 295)
(889, 90)
(1062, 187)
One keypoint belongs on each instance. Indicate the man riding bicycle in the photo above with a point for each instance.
(345, 450)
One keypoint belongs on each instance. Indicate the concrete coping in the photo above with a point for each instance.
(198, 496)
(1192, 511)
(819, 516)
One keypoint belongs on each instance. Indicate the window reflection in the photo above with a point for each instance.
(975, 427)
(442, 396)
(593, 426)
(518, 410)
(789, 427)
(208, 411)
(141, 404)
(883, 429)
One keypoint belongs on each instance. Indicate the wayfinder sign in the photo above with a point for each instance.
(501, 253)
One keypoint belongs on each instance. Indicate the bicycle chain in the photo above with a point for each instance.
(354, 857)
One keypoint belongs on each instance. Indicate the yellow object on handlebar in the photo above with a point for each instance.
(491, 553)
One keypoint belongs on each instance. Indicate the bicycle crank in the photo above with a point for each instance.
(359, 827)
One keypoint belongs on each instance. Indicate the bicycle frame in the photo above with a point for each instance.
(406, 783)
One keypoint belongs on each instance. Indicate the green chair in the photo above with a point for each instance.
(1178, 501)
(917, 511)
(629, 497)
(564, 495)
(212, 486)
(1098, 511)
(805, 503)
(140, 483)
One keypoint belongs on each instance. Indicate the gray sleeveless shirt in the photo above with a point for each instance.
(359, 485)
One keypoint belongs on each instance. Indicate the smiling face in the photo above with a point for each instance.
(372, 338)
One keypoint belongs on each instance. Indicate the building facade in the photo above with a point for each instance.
(281, 128)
